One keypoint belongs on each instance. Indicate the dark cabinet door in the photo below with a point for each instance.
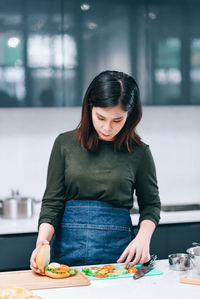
(159, 242)
(15, 251)
(174, 238)
(180, 238)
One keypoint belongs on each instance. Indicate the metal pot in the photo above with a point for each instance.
(194, 253)
(17, 206)
(179, 261)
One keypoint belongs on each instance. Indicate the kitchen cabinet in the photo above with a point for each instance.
(49, 49)
(174, 238)
(16, 249)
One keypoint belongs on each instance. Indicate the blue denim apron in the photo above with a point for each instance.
(91, 232)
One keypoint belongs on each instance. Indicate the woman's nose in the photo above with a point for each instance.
(107, 127)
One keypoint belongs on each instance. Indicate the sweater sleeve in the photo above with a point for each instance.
(54, 196)
(147, 189)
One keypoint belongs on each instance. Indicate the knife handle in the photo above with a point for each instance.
(151, 261)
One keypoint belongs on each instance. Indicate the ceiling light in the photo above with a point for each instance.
(92, 26)
(13, 42)
(85, 6)
(152, 15)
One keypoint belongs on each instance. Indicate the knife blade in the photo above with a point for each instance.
(146, 267)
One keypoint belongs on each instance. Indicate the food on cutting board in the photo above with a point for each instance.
(108, 271)
(53, 270)
(132, 270)
(17, 293)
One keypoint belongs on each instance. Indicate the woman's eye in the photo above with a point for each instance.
(100, 118)
(117, 121)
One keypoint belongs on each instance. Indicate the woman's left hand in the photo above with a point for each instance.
(138, 249)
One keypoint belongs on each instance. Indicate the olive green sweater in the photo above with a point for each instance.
(107, 175)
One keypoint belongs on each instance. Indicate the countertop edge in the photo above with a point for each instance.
(29, 225)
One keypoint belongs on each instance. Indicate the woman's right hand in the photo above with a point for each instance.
(33, 264)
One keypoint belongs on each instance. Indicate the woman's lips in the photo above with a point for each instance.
(105, 135)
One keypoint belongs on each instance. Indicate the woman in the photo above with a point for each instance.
(92, 175)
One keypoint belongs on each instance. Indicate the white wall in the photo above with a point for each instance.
(173, 133)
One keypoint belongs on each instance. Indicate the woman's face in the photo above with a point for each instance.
(108, 121)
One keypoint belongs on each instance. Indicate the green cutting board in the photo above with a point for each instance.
(152, 272)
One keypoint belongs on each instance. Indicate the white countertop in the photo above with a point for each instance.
(29, 225)
(153, 287)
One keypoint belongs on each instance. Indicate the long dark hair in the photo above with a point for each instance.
(108, 89)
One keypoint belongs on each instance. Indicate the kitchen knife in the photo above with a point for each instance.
(145, 267)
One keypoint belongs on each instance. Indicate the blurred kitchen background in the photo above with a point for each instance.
(50, 51)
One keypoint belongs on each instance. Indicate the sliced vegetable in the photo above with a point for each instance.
(103, 271)
(59, 270)
(110, 267)
(50, 269)
(121, 272)
(132, 270)
(73, 271)
(88, 271)
(120, 267)
(64, 267)
(112, 274)
(54, 266)
(96, 268)
(108, 271)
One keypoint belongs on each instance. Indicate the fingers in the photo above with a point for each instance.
(33, 264)
(34, 267)
(129, 252)
(32, 261)
(140, 258)
(132, 252)
(137, 258)
(123, 255)
(135, 253)
(37, 270)
(145, 258)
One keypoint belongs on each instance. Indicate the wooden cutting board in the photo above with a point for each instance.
(190, 279)
(32, 281)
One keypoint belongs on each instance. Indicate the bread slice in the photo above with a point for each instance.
(43, 257)
(57, 275)
(17, 293)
